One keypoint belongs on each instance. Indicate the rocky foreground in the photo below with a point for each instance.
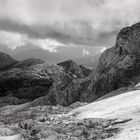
(53, 123)
(112, 118)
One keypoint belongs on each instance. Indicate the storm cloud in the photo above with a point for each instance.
(87, 22)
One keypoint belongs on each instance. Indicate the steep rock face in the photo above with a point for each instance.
(117, 66)
(32, 82)
(62, 92)
(6, 61)
(75, 69)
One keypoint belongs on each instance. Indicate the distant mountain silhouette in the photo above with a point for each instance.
(38, 54)
(63, 54)
(89, 61)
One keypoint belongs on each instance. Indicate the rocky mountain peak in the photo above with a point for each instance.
(117, 66)
(75, 69)
(128, 39)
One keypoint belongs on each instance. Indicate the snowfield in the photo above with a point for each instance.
(124, 106)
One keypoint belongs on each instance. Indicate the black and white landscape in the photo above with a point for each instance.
(69, 70)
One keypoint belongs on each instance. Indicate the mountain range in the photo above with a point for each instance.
(40, 100)
(118, 67)
(63, 53)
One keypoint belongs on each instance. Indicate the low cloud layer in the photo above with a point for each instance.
(14, 40)
(85, 22)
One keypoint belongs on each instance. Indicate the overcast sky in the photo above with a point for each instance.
(93, 23)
